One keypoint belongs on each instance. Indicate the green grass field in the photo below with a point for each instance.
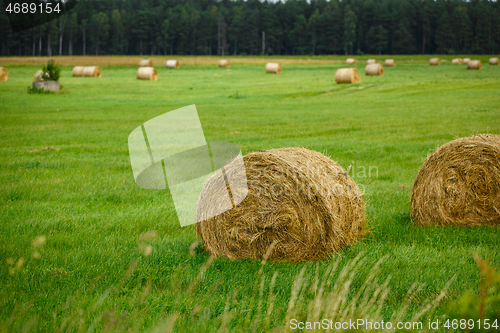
(82, 197)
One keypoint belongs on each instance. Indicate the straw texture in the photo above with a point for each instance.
(459, 184)
(347, 75)
(272, 67)
(172, 64)
(146, 63)
(457, 61)
(224, 63)
(390, 62)
(350, 61)
(494, 61)
(465, 60)
(474, 64)
(92, 71)
(298, 200)
(374, 69)
(434, 62)
(147, 73)
(371, 61)
(4, 76)
(78, 71)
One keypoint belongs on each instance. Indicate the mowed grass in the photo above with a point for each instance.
(84, 200)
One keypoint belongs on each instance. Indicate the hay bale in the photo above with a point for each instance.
(494, 61)
(38, 76)
(273, 68)
(457, 61)
(78, 71)
(350, 61)
(172, 64)
(92, 71)
(390, 62)
(371, 61)
(146, 63)
(474, 64)
(465, 60)
(374, 69)
(434, 62)
(299, 200)
(224, 63)
(4, 76)
(147, 73)
(347, 75)
(459, 184)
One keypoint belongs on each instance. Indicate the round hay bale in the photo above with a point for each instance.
(92, 71)
(459, 184)
(347, 75)
(272, 67)
(374, 69)
(78, 71)
(224, 63)
(172, 64)
(465, 60)
(38, 76)
(371, 61)
(457, 61)
(474, 64)
(350, 61)
(390, 62)
(299, 200)
(146, 63)
(4, 76)
(147, 73)
(494, 61)
(434, 62)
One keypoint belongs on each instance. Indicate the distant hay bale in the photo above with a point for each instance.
(465, 60)
(474, 64)
(92, 71)
(146, 63)
(172, 64)
(457, 61)
(78, 71)
(147, 73)
(4, 76)
(459, 184)
(434, 62)
(494, 61)
(390, 62)
(224, 63)
(38, 76)
(371, 61)
(374, 69)
(347, 75)
(299, 200)
(272, 67)
(350, 61)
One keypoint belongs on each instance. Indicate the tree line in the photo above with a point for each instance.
(253, 27)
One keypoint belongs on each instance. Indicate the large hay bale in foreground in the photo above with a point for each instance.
(347, 75)
(147, 73)
(457, 61)
(298, 199)
(4, 76)
(494, 61)
(390, 62)
(92, 71)
(272, 67)
(172, 64)
(78, 71)
(224, 63)
(146, 63)
(371, 61)
(474, 64)
(459, 184)
(434, 62)
(374, 69)
(350, 61)
(465, 60)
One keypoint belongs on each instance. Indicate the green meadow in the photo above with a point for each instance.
(115, 258)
